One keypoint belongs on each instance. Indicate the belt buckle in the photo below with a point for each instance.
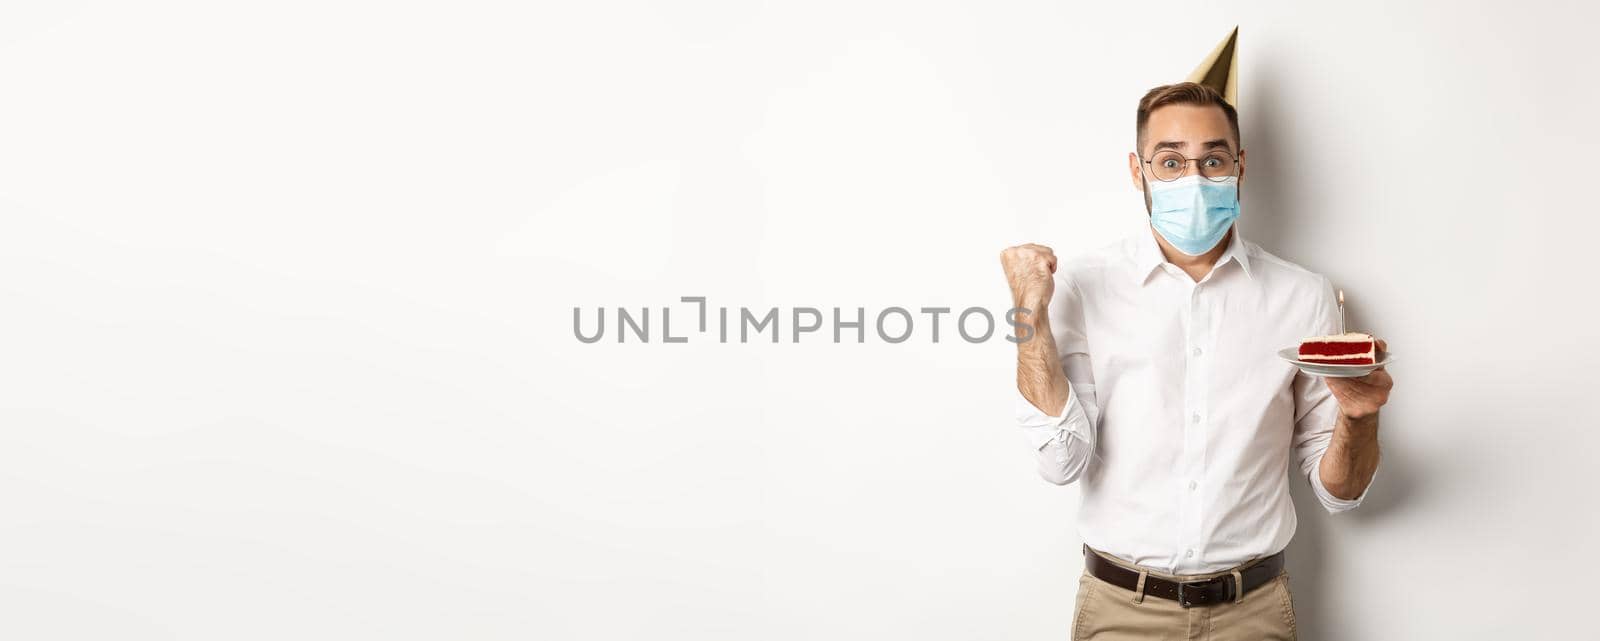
(1183, 597)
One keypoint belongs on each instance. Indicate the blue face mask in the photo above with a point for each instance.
(1193, 213)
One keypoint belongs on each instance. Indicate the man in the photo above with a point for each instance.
(1151, 380)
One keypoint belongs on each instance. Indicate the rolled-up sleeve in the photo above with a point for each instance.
(1317, 411)
(1064, 444)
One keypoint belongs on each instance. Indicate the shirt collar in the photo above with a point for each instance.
(1147, 254)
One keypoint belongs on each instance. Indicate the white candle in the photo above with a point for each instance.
(1341, 312)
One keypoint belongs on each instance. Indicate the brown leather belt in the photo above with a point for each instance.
(1187, 593)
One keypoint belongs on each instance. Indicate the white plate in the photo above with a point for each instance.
(1292, 354)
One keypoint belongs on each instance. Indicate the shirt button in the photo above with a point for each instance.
(1188, 554)
(1193, 485)
(1195, 418)
(1196, 351)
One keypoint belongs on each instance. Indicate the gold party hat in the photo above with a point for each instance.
(1220, 70)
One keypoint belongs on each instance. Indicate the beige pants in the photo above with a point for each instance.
(1106, 612)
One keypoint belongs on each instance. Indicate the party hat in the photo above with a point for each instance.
(1220, 70)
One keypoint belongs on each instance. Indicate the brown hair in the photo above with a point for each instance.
(1183, 93)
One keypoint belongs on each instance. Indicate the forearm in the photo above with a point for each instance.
(1352, 457)
(1039, 374)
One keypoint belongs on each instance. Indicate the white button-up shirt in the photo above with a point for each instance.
(1182, 419)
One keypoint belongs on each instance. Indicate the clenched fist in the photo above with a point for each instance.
(1030, 270)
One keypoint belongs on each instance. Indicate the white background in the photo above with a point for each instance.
(286, 298)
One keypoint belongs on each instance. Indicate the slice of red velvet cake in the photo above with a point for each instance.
(1350, 348)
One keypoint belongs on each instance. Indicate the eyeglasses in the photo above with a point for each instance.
(1168, 165)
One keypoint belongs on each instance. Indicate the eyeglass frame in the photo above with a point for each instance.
(1186, 161)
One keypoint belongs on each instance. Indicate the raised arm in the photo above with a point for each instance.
(1055, 390)
(1030, 270)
